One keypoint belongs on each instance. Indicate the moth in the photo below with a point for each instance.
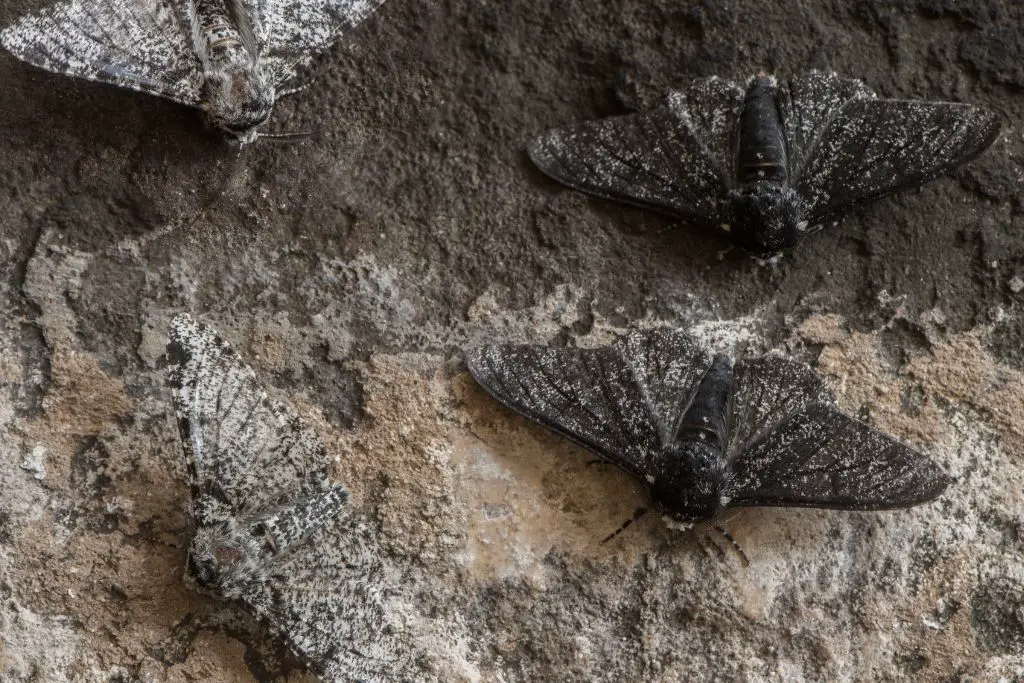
(704, 434)
(768, 163)
(231, 58)
(270, 529)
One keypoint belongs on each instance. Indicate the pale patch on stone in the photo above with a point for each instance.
(487, 319)
(958, 368)
(62, 660)
(35, 462)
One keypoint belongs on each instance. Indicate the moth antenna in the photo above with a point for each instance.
(477, 436)
(133, 244)
(297, 89)
(286, 137)
(637, 514)
(727, 536)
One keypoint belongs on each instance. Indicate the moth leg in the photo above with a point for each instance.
(298, 87)
(597, 461)
(705, 540)
(732, 541)
(637, 514)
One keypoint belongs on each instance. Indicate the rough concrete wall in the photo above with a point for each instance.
(350, 269)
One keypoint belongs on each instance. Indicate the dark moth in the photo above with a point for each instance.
(271, 528)
(768, 163)
(704, 434)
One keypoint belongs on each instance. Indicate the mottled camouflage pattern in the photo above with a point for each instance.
(269, 523)
(230, 58)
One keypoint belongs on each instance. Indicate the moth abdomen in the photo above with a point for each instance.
(761, 156)
(767, 214)
(704, 421)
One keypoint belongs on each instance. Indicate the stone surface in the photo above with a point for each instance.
(351, 268)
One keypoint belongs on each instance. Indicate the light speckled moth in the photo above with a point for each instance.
(270, 524)
(231, 58)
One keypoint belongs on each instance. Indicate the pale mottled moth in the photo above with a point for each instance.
(231, 58)
(271, 528)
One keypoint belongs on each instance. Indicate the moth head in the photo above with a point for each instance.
(767, 218)
(695, 488)
(239, 100)
(223, 560)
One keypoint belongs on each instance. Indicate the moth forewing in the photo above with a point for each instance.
(819, 457)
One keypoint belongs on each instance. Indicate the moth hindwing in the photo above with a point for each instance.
(770, 162)
(270, 528)
(704, 434)
(231, 58)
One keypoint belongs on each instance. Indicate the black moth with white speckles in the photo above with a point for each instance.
(703, 434)
(768, 163)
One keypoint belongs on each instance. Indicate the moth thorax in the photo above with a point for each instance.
(238, 98)
(695, 487)
(222, 560)
(767, 217)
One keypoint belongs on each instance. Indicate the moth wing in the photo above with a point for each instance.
(291, 32)
(668, 366)
(244, 452)
(766, 391)
(138, 44)
(676, 158)
(873, 147)
(588, 395)
(335, 602)
(808, 104)
(820, 457)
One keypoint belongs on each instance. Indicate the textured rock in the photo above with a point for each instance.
(350, 269)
